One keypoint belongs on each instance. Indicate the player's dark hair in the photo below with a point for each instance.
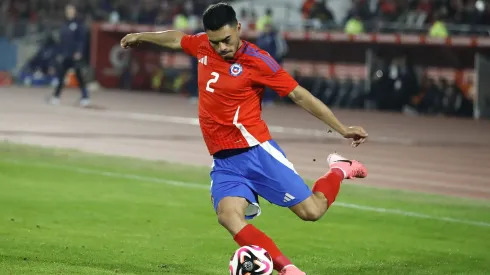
(219, 15)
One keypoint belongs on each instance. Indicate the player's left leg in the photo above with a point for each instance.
(274, 178)
(327, 187)
(277, 181)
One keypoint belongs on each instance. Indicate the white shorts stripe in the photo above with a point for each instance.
(267, 146)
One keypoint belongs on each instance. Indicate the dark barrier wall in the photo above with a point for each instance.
(107, 57)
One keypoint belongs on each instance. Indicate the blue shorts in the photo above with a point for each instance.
(262, 171)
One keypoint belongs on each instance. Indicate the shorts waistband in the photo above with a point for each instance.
(226, 153)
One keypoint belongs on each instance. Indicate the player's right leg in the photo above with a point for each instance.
(235, 202)
(231, 215)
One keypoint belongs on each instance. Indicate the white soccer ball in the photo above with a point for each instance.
(251, 260)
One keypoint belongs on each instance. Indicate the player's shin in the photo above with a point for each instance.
(329, 185)
(250, 235)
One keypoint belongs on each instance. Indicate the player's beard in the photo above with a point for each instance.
(226, 55)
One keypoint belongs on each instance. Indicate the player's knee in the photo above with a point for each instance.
(226, 217)
(308, 210)
(230, 217)
(231, 214)
(231, 220)
(309, 214)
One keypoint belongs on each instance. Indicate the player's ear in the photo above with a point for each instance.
(238, 26)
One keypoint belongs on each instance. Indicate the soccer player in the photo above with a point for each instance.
(247, 162)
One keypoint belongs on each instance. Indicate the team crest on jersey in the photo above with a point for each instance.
(236, 69)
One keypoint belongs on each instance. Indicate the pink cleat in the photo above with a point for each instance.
(291, 270)
(351, 168)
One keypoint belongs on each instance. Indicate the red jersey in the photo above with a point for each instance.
(230, 92)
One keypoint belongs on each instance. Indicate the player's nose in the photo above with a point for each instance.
(222, 47)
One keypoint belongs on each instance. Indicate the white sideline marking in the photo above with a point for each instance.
(108, 174)
(205, 187)
(410, 214)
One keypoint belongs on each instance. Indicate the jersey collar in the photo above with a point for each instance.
(240, 52)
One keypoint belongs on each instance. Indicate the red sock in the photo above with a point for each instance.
(250, 235)
(329, 184)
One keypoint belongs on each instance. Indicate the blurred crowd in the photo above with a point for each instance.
(440, 17)
(364, 15)
(135, 11)
(394, 85)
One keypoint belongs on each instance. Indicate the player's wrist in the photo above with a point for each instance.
(139, 36)
(342, 130)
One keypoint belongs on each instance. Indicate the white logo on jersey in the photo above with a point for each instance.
(236, 69)
(288, 197)
(204, 60)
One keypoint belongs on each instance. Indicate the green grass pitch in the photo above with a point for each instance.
(67, 212)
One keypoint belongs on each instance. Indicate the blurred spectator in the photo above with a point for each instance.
(452, 99)
(245, 18)
(393, 83)
(164, 16)
(404, 83)
(180, 21)
(44, 61)
(454, 102)
(354, 25)
(147, 13)
(72, 41)
(307, 7)
(388, 10)
(425, 7)
(271, 41)
(264, 20)
(438, 28)
(321, 13)
(428, 99)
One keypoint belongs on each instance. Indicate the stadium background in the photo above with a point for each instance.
(421, 91)
(402, 56)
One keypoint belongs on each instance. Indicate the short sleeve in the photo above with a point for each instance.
(269, 73)
(190, 42)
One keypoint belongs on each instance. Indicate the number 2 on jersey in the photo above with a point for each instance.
(212, 80)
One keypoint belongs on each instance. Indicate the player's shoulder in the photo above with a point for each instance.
(199, 41)
(200, 38)
(200, 35)
(258, 58)
(196, 38)
(254, 52)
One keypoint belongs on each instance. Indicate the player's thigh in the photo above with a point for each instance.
(275, 178)
(227, 184)
(308, 209)
(231, 213)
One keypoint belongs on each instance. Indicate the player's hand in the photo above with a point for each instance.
(130, 40)
(357, 134)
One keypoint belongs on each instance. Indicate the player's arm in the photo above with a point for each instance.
(317, 108)
(168, 39)
(269, 73)
(314, 106)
